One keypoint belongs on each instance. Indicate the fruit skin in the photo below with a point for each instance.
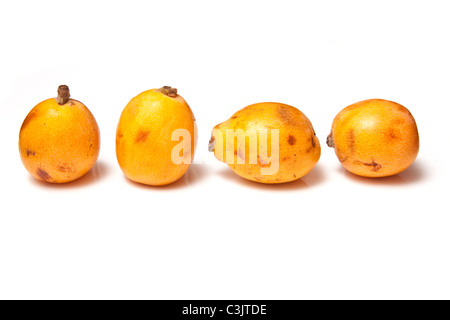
(144, 137)
(375, 138)
(299, 148)
(59, 143)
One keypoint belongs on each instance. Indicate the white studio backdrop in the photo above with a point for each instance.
(213, 235)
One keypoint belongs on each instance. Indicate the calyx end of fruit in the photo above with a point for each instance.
(330, 140)
(169, 91)
(211, 144)
(63, 94)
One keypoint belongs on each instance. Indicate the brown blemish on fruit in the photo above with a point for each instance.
(30, 153)
(375, 166)
(63, 168)
(291, 140)
(351, 140)
(285, 116)
(142, 136)
(391, 134)
(401, 108)
(341, 159)
(398, 122)
(233, 117)
(313, 143)
(258, 179)
(43, 174)
(295, 176)
(309, 149)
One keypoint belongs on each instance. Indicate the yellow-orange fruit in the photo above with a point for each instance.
(59, 140)
(267, 142)
(375, 138)
(150, 129)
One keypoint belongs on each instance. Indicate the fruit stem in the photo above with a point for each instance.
(63, 95)
(330, 140)
(169, 91)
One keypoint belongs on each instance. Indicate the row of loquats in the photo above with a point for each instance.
(59, 140)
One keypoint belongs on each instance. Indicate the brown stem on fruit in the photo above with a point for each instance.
(63, 95)
(330, 140)
(169, 91)
(211, 144)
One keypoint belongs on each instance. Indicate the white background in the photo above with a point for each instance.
(213, 235)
